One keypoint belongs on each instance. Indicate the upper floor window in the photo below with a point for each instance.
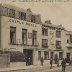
(67, 40)
(34, 38)
(70, 38)
(33, 18)
(58, 33)
(58, 44)
(12, 35)
(24, 36)
(22, 15)
(44, 43)
(46, 55)
(44, 31)
(11, 13)
(5, 11)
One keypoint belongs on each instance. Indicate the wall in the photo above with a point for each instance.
(6, 22)
(4, 60)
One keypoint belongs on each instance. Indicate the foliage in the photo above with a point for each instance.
(16, 56)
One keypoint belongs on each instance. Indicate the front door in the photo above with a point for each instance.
(28, 56)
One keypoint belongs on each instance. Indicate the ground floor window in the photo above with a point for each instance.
(60, 55)
(39, 55)
(67, 57)
(46, 55)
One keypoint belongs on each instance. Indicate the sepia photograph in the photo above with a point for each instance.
(35, 35)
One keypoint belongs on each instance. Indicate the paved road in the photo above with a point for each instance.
(44, 69)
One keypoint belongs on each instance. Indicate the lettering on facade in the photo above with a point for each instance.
(21, 22)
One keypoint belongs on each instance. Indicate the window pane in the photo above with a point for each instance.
(58, 44)
(24, 36)
(44, 43)
(17, 14)
(34, 38)
(12, 35)
(22, 15)
(58, 33)
(11, 13)
(33, 18)
(44, 31)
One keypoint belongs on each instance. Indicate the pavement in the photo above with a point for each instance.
(31, 68)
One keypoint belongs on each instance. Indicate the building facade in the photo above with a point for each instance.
(21, 30)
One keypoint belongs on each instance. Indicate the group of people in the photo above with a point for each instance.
(63, 63)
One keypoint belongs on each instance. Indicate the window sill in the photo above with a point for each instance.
(23, 44)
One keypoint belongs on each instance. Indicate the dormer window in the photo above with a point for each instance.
(70, 38)
(33, 18)
(22, 15)
(11, 13)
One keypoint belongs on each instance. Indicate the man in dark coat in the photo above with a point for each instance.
(51, 62)
(42, 61)
(63, 63)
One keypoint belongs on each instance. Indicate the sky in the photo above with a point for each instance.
(57, 12)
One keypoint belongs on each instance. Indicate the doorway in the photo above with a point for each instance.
(68, 57)
(52, 55)
(28, 56)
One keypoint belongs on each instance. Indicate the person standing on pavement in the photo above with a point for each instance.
(71, 61)
(51, 62)
(57, 62)
(42, 61)
(63, 64)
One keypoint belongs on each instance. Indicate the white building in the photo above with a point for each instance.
(21, 30)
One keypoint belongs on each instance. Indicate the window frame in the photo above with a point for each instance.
(58, 33)
(24, 36)
(14, 39)
(22, 16)
(39, 55)
(11, 13)
(58, 44)
(33, 18)
(34, 37)
(44, 45)
(44, 31)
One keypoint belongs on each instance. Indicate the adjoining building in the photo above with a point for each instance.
(68, 48)
(53, 35)
(21, 30)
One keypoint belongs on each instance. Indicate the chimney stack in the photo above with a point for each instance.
(29, 10)
(48, 21)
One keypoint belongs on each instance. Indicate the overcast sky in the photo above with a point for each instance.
(57, 12)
